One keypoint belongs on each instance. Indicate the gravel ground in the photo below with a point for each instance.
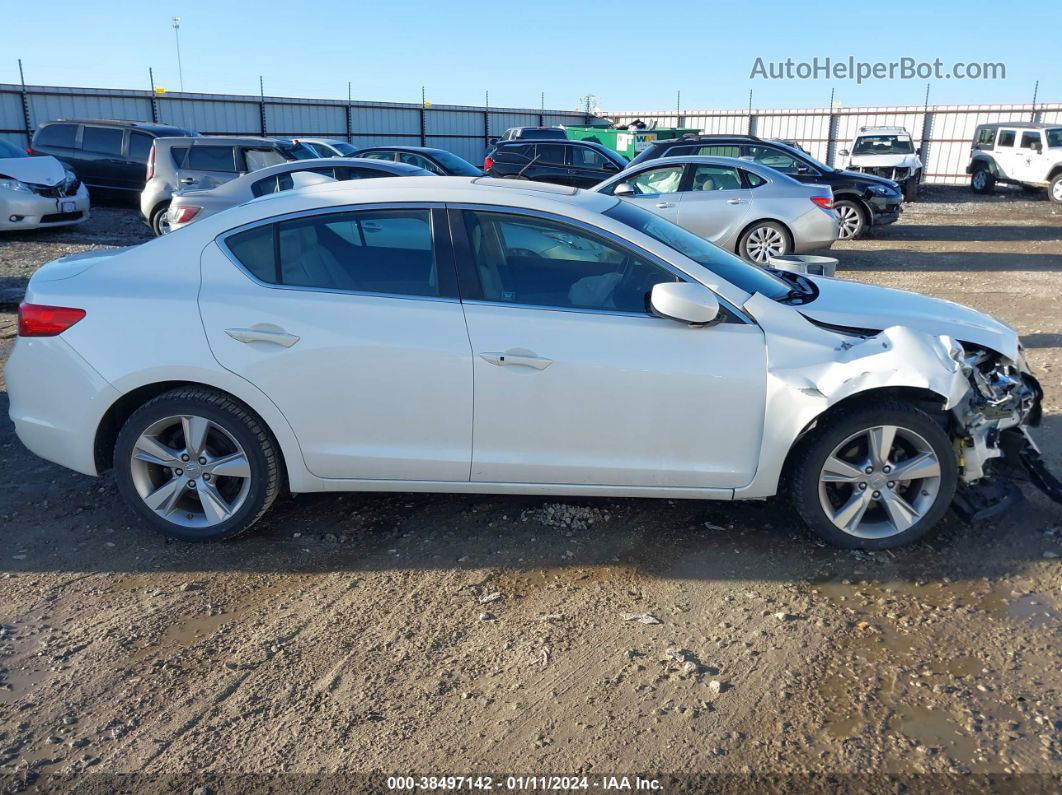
(456, 635)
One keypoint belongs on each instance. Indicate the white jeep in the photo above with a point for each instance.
(1017, 153)
(887, 152)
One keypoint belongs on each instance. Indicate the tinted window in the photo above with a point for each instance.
(718, 151)
(1006, 138)
(361, 173)
(177, 155)
(715, 178)
(102, 140)
(457, 166)
(389, 156)
(535, 262)
(263, 158)
(550, 153)
(10, 150)
(585, 157)
(344, 149)
(56, 135)
(773, 158)
(986, 136)
(286, 181)
(1029, 140)
(409, 158)
(211, 158)
(254, 249)
(678, 151)
(139, 146)
(523, 150)
(1054, 137)
(656, 180)
(753, 180)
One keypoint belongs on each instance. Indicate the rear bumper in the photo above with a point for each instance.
(815, 230)
(57, 401)
(37, 212)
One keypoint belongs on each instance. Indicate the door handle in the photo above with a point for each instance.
(735, 201)
(665, 205)
(516, 360)
(187, 180)
(277, 336)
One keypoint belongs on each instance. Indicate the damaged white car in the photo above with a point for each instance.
(448, 334)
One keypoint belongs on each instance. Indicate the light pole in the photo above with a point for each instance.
(177, 35)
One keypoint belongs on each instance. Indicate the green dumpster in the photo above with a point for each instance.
(628, 143)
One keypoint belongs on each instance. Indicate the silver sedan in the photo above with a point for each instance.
(193, 205)
(736, 204)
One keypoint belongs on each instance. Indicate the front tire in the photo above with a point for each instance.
(874, 477)
(910, 188)
(196, 465)
(982, 181)
(1054, 190)
(763, 240)
(854, 220)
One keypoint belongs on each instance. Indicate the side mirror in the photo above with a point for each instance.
(802, 169)
(844, 153)
(623, 189)
(1037, 146)
(918, 151)
(689, 303)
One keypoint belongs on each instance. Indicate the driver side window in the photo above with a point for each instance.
(772, 158)
(535, 262)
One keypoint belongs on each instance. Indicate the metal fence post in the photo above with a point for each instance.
(154, 100)
(927, 138)
(261, 105)
(831, 136)
(486, 128)
(350, 120)
(25, 107)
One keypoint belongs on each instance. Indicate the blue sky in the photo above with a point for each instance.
(631, 55)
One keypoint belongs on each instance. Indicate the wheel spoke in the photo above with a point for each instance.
(921, 466)
(231, 466)
(837, 470)
(901, 513)
(195, 434)
(881, 439)
(215, 508)
(152, 451)
(849, 515)
(164, 498)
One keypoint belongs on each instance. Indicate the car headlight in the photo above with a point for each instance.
(882, 190)
(7, 183)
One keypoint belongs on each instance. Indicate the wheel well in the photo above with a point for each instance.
(159, 206)
(868, 214)
(123, 408)
(744, 231)
(925, 399)
(1055, 172)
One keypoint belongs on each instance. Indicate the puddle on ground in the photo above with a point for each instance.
(933, 728)
(21, 682)
(1033, 609)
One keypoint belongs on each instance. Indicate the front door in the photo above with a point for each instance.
(717, 204)
(1029, 160)
(357, 336)
(587, 166)
(656, 190)
(577, 383)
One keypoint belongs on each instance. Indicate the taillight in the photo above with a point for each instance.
(35, 320)
(488, 163)
(29, 150)
(151, 163)
(182, 215)
(823, 202)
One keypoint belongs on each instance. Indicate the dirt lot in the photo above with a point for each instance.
(457, 635)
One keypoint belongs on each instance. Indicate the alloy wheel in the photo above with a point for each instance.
(851, 220)
(879, 482)
(765, 242)
(190, 471)
(1056, 190)
(979, 180)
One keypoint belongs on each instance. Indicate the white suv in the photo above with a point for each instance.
(887, 152)
(1018, 153)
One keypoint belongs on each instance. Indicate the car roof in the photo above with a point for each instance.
(324, 162)
(713, 160)
(299, 138)
(147, 126)
(207, 140)
(400, 148)
(1024, 125)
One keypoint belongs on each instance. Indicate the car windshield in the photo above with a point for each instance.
(298, 151)
(883, 145)
(734, 269)
(10, 150)
(344, 149)
(457, 166)
(1054, 137)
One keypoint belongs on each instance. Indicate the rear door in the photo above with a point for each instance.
(716, 203)
(1006, 152)
(103, 157)
(350, 323)
(550, 164)
(206, 166)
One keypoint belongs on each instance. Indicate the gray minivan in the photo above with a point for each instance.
(204, 162)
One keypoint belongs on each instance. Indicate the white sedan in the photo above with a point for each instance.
(448, 334)
(38, 192)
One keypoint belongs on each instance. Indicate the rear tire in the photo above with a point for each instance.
(982, 181)
(763, 240)
(160, 223)
(854, 219)
(196, 465)
(829, 473)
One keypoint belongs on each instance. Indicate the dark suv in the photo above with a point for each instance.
(861, 200)
(580, 164)
(106, 155)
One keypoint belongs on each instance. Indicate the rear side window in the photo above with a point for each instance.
(1006, 138)
(61, 135)
(753, 180)
(585, 157)
(177, 155)
(520, 150)
(1029, 140)
(412, 159)
(718, 151)
(139, 146)
(550, 153)
(710, 178)
(211, 158)
(389, 156)
(102, 140)
(263, 158)
(373, 251)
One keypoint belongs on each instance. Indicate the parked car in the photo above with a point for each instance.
(580, 164)
(887, 152)
(738, 205)
(1017, 153)
(203, 163)
(437, 161)
(328, 147)
(107, 156)
(596, 348)
(38, 191)
(862, 201)
(532, 133)
(194, 205)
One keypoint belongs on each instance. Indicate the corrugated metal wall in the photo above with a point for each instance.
(460, 129)
(943, 131)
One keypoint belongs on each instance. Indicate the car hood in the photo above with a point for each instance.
(43, 170)
(859, 176)
(866, 306)
(881, 161)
